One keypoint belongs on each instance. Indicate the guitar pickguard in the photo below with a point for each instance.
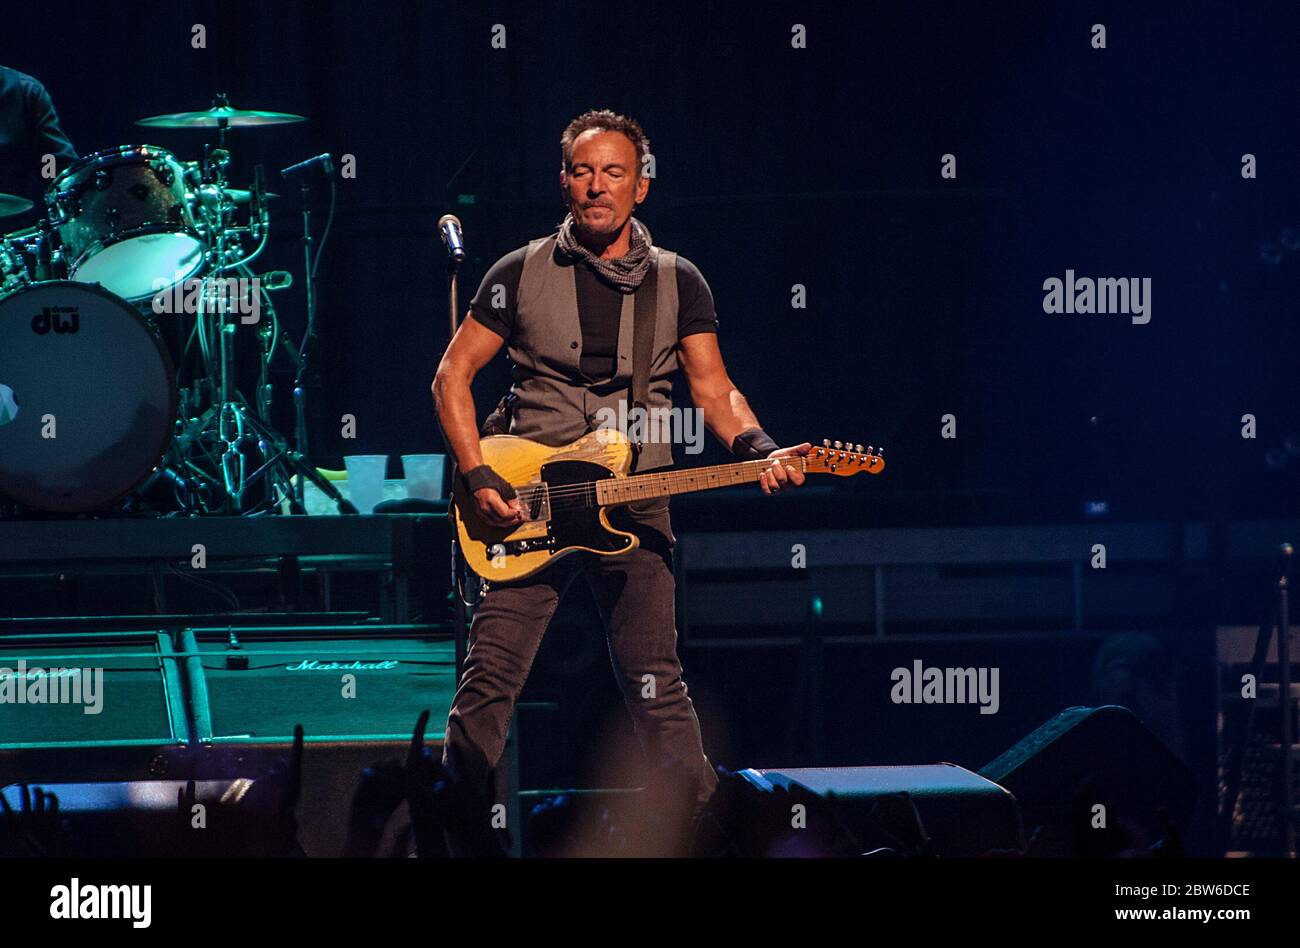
(575, 517)
(557, 489)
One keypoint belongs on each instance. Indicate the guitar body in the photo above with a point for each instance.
(548, 481)
(566, 491)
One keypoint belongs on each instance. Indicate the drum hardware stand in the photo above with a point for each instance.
(48, 258)
(223, 467)
(235, 422)
(230, 418)
(282, 454)
(221, 101)
(265, 393)
(267, 330)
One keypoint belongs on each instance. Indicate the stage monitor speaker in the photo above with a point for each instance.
(960, 812)
(89, 705)
(1089, 757)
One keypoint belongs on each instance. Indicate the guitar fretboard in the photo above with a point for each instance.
(623, 490)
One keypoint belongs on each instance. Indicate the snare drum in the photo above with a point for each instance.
(126, 222)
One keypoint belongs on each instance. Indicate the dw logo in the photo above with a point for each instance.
(62, 319)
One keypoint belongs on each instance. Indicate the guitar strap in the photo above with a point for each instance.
(645, 308)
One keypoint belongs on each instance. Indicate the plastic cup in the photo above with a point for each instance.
(366, 480)
(424, 475)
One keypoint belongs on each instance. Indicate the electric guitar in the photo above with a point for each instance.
(565, 492)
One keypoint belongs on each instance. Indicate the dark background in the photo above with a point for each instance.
(778, 166)
(817, 166)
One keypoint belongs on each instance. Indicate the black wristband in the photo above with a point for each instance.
(753, 444)
(483, 476)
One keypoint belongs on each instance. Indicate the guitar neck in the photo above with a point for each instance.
(623, 490)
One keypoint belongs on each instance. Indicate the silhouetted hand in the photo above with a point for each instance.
(420, 774)
(449, 817)
(379, 792)
(35, 830)
(274, 798)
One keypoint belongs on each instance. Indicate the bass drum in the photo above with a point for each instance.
(87, 397)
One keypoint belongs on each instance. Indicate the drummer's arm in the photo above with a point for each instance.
(48, 137)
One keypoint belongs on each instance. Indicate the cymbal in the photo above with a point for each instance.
(219, 115)
(12, 204)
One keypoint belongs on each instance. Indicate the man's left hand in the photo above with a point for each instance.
(779, 476)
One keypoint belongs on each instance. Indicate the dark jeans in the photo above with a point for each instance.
(635, 595)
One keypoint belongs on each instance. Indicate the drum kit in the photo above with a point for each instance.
(121, 314)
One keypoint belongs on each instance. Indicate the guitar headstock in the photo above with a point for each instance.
(844, 459)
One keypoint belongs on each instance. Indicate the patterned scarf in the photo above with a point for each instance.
(623, 273)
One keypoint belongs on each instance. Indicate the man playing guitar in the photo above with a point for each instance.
(564, 307)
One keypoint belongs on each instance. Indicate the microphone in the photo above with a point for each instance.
(325, 161)
(275, 280)
(449, 226)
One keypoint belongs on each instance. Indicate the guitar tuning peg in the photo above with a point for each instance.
(838, 445)
(858, 449)
(826, 442)
(870, 449)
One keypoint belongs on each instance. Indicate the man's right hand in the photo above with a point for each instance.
(495, 510)
(491, 491)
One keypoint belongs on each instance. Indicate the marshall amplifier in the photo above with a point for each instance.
(101, 718)
(85, 706)
(344, 683)
(356, 690)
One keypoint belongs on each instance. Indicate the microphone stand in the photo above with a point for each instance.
(300, 382)
(460, 609)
